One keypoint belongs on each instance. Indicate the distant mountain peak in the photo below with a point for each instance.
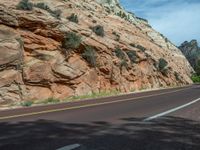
(192, 45)
(191, 50)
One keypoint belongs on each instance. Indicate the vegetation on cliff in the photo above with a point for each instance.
(191, 50)
(60, 49)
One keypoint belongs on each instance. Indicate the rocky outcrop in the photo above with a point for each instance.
(64, 48)
(11, 55)
(191, 50)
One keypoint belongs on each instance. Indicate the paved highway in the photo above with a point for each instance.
(156, 120)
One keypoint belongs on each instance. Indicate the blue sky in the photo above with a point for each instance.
(178, 20)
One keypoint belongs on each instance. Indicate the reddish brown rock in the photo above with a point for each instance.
(34, 65)
(38, 73)
(38, 93)
(11, 46)
(34, 42)
(61, 91)
(11, 51)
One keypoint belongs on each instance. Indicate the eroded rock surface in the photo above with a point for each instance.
(35, 65)
(11, 57)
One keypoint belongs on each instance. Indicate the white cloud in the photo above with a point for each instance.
(178, 24)
(179, 20)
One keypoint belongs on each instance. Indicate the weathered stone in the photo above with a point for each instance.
(38, 93)
(8, 77)
(83, 89)
(61, 91)
(33, 42)
(10, 65)
(90, 79)
(10, 86)
(38, 73)
(34, 65)
(7, 16)
(10, 48)
(74, 68)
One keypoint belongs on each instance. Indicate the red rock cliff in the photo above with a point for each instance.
(60, 48)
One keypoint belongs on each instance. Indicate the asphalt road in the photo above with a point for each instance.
(156, 120)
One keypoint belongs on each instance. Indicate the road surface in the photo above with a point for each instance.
(156, 120)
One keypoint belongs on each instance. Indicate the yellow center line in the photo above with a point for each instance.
(84, 106)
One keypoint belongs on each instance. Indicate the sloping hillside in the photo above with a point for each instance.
(61, 48)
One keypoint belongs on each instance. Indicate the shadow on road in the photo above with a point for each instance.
(168, 133)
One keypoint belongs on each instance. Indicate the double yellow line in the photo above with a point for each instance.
(84, 106)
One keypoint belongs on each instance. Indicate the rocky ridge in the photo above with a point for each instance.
(191, 50)
(41, 58)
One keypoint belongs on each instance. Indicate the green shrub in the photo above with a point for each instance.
(51, 100)
(27, 103)
(132, 44)
(162, 64)
(140, 47)
(117, 36)
(44, 57)
(132, 56)
(176, 75)
(42, 6)
(195, 78)
(94, 21)
(123, 63)
(71, 41)
(25, 5)
(121, 14)
(90, 16)
(73, 18)
(95, 95)
(98, 30)
(197, 67)
(56, 13)
(164, 71)
(166, 40)
(119, 53)
(90, 56)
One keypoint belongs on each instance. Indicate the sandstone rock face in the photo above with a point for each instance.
(11, 52)
(34, 64)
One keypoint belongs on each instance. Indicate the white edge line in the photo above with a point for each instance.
(171, 110)
(69, 147)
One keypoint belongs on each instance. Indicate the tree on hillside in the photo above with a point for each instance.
(197, 68)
